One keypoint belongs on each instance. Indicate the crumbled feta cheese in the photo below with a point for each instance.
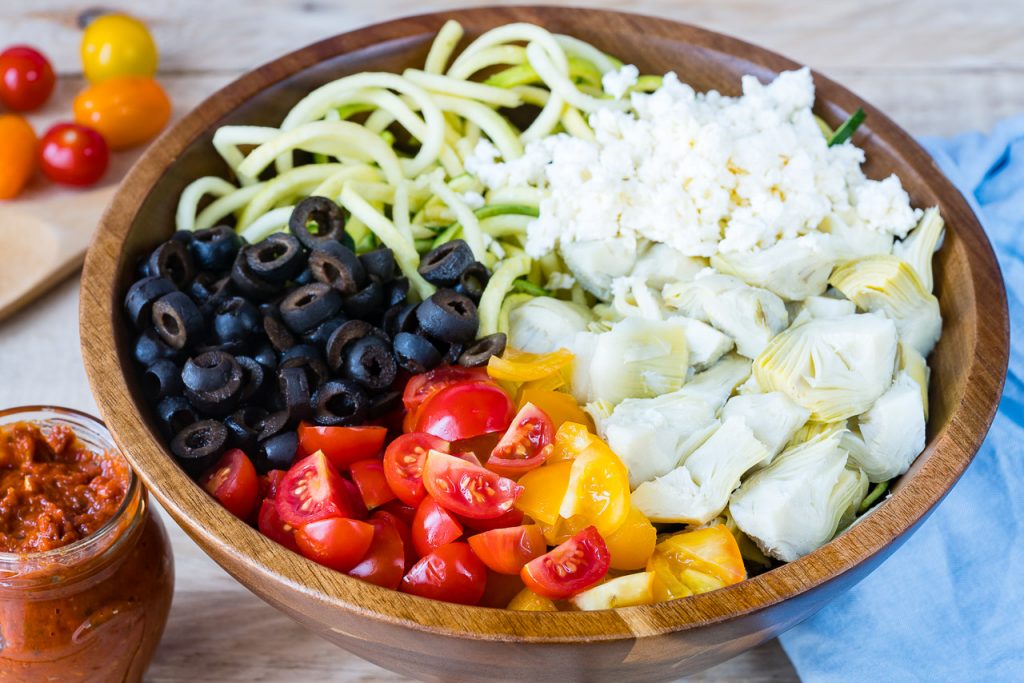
(558, 281)
(473, 200)
(700, 172)
(618, 83)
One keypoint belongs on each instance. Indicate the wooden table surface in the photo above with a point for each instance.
(936, 66)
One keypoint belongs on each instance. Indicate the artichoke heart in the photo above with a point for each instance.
(595, 263)
(542, 324)
(886, 439)
(660, 264)
(910, 361)
(919, 246)
(651, 435)
(793, 269)
(773, 418)
(836, 367)
(706, 344)
(715, 385)
(698, 490)
(889, 285)
(796, 504)
(824, 307)
(637, 358)
(852, 239)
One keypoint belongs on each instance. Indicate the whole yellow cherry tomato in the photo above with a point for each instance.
(126, 111)
(117, 45)
(17, 154)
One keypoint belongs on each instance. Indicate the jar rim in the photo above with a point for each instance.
(73, 418)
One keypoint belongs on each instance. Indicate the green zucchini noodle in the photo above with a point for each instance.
(391, 149)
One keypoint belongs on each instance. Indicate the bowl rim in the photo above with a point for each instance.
(946, 457)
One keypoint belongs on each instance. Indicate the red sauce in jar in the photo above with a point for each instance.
(53, 490)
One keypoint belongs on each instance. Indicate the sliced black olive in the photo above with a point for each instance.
(448, 316)
(328, 221)
(277, 333)
(149, 348)
(322, 332)
(310, 360)
(473, 281)
(278, 258)
(235, 320)
(479, 353)
(213, 382)
(348, 333)
(304, 278)
(215, 248)
(380, 263)
(415, 353)
(294, 388)
(336, 265)
(175, 413)
(183, 236)
(384, 403)
(276, 452)
(177, 320)
(308, 306)
(340, 403)
(400, 318)
(173, 261)
(443, 266)
(138, 302)
(451, 352)
(253, 375)
(208, 290)
(162, 378)
(247, 283)
(397, 292)
(275, 423)
(198, 445)
(370, 362)
(244, 426)
(264, 354)
(367, 302)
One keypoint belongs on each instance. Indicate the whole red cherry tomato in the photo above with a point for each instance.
(26, 78)
(72, 154)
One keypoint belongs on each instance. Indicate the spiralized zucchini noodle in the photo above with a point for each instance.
(391, 150)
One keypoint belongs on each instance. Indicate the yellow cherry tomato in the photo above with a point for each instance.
(519, 366)
(117, 45)
(528, 601)
(623, 591)
(572, 440)
(632, 543)
(543, 491)
(558, 405)
(126, 111)
(666, 585)
(17, 154)
(701, 560)
(598, 486)
(563, 529)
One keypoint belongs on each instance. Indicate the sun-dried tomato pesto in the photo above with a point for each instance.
(53, 489)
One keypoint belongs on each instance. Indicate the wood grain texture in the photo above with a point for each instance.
(654, 642)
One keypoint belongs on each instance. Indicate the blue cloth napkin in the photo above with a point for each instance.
(949, 604)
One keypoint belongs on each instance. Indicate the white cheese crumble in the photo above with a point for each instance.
(617, 83)
(701, 172)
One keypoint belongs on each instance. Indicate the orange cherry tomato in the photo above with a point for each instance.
(573, 566)
(126, 111)
(17, 154)
(234, 483)
(506, 550)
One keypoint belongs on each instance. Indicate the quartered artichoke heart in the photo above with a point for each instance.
(793, 269)
(716, 384)
(796, 504)
(919, 246)
(886, 439)
(543, 324)
(773, 417)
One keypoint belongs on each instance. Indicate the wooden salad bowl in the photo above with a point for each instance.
(436, 640)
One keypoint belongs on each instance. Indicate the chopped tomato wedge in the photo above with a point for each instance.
(368, 476)
(403, 464)
(312, 491)
(404, 512)
(466, 489)
(507, 550)
(356, 505)
(572, 440)
(342, 445)
(234, 483)
(271, 526)
(384, 563)
(465, 410)
(433, 527)
(451, 573)
(335, 542)
(520, 366)
(543, 491)
(559, 406)
(513, 517)
(270, 483)
(526, 444)
(573, 566)
(421, 387)
(598, 487)
(403, 529)
(704, 559)
(632, 543)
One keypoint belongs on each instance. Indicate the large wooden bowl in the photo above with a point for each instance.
(438, 640)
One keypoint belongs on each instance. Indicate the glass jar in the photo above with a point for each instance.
(93, 610)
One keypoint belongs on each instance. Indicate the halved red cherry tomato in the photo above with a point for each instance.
(404, 512)
(270, 483)
(404, 530)
(71, 154)
(451, 573)
(573, 566)
(526, 444)
(368, 476)
(403, 464)
(342, 445)
(500, 590)
(384, 562)
(465, 410)
(234, 483)
(335, 542)
(433, 527)
(26, 78)
(507, 550)
(271, 526)
(421, 387)
(513, 517)
(467, 489)
(355, 499)
(312, 491)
